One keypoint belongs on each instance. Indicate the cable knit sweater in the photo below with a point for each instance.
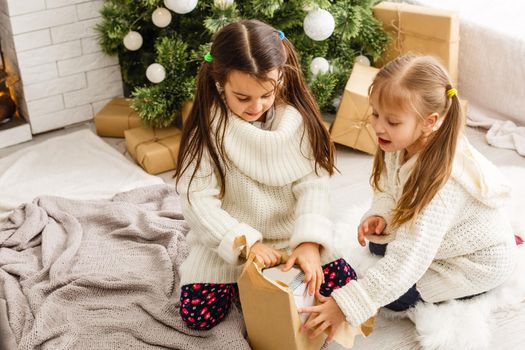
(461, 244)
(272, 194)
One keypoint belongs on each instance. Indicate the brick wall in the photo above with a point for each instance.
(65, 77)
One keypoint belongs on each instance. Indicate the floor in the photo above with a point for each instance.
(352, 182)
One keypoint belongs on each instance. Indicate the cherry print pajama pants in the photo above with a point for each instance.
(204, 305)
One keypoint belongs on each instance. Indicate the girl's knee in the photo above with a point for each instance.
(377, 249)
(336, 275)
(204, 305)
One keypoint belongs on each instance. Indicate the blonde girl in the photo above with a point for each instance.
(436, 215)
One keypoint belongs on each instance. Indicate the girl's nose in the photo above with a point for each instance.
(376, 125)
(256, 106)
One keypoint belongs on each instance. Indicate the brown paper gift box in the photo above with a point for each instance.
(420, 30)
(115, 117)
(271, 317)
(351, 126)
(155, 150)
(185, 111)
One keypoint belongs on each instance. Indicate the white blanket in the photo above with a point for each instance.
(78, 166)
(501, 134)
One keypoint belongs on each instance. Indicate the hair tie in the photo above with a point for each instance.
(208, 57)
(281, 34)
(452, 92)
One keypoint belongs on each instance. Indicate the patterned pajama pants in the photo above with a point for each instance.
(204, 305)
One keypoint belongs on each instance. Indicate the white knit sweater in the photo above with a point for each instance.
(461, 244)
(272, 194)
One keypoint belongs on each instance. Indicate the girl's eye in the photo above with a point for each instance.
(393, 124)
(248, 99)
(375, 115)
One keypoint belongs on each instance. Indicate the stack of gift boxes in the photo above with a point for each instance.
(155, 150)
(412, 29)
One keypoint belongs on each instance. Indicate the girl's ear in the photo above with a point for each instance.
(280, 79)
(219, 87)
(431, 122)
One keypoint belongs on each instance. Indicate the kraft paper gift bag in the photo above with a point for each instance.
(271, 317)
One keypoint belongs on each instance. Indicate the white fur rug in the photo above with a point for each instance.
(457, 324)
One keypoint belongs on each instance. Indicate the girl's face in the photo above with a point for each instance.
(398, 129)
(248, 97)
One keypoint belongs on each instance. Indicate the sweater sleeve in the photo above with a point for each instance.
(312, 210)
(202, 209)
(406, 260)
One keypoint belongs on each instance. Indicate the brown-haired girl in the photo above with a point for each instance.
(436, 215)
(254, 161)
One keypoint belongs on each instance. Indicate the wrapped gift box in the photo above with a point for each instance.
(155, 150)
(116, 117)
(351, 126)
(185, 111)
(420, 30)
(327, 125)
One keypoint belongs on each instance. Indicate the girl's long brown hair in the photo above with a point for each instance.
(255, 48)
(419, 83)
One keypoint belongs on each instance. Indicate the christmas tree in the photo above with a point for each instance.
(160, 44)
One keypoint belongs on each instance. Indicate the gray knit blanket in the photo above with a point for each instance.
(100, 275)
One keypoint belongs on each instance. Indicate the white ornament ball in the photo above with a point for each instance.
(336, 102)
(161, 17)
(133, 41)
(223, 4)
(362, 59)
(155, 73)
(319, 24)
(319, 65)
(181, 6)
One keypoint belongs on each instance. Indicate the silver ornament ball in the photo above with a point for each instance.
(133, 41)
(319, 65)
(161, 17)
(319, 24)
(155, 73)
(181, 6)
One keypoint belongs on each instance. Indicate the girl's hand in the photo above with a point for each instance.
(371, 225)
(326, 314)
(307, 256)
(265, 253)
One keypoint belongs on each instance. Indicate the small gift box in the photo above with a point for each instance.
(116, 117)
(351, 126)
(155, 150)
(420, 30)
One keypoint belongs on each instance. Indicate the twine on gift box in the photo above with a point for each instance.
(360, 125)
(400, 33)
(129, 118)
(155, 139)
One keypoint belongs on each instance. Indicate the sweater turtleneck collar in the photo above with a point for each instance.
(274, 157)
